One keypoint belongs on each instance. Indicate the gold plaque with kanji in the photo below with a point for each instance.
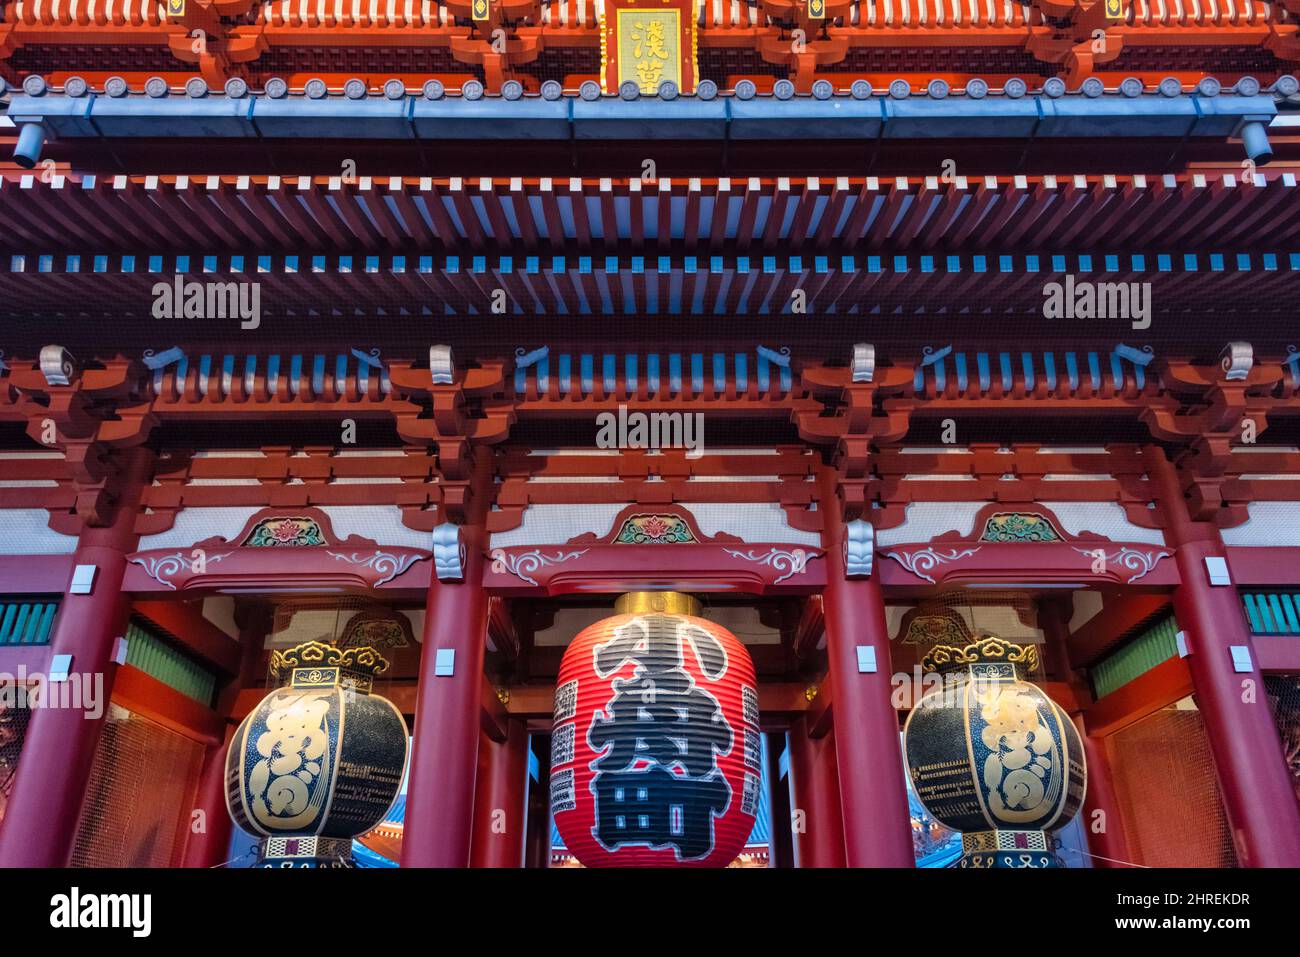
(648, 42)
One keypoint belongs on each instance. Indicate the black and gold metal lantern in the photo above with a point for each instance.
(994, 757)
(318, 762)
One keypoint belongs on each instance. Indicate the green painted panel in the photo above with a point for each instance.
(1136, 657)
(158, 658)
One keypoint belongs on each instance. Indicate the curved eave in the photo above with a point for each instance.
(535, 118)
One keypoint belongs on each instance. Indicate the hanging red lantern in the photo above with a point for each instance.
(656, 752)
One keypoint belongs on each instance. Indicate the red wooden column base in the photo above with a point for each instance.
(816, 817)
(40, 823)
(500, 798)
(1106, 838)
(207, 848)
(873, 789)
(1100, 815)
(440, 793)
(1257, 788)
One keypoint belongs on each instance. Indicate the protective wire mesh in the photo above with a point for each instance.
(347, 622)
(1169, 796)
(13, 729)
(314, 620)
(1284, 698)
(140, 795)
(959, 617)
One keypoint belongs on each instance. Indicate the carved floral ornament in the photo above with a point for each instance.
(655, 530)
(282, 532)
(377, 630)
(920, 561)
(388, 565)
(522, 564)
(1017, 527)
(266, 534)
(162, 568)
(666, 525)
(947, 628)
(640, 524)
(790, 562)
(1036, 526)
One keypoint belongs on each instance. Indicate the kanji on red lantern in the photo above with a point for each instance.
(656, 751)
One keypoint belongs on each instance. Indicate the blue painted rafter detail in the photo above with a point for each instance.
(773, 377)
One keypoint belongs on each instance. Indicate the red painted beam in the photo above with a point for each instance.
(185, 621)
(1278, 655)
(145, 695)
(1264, 566)
(35, 574)
(1120, 615)
(1162, 685)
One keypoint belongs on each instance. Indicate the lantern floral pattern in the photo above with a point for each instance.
(656, 749)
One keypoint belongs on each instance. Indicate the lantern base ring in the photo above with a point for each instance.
(304, 852)
(1015, 849)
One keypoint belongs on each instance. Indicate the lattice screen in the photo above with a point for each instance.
(1284, 698)
(140, 795)
(959, 617)
(1168, 793)
(348, 621)
(13, 729)
(315, 619)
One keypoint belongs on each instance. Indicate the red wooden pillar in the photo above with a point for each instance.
(816, 817)
(869, 756)
(1257, 789)
(440, 793)
(1105, 831)
(40, 823)
(500, 799)
(1101, 815)
(207, 848)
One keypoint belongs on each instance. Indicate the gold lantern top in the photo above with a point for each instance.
(987, 649)
(314, 664)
